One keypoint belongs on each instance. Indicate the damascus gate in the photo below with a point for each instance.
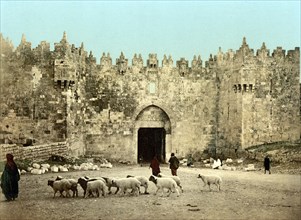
(129, 107)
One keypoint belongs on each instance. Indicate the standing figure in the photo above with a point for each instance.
(155, 165)
(267, 165)
(10, 178)
(173, 164)
(190, 160)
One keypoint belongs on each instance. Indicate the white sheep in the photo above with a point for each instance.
(73, 183)
(61, 186)
(110, 184)
(83, 181)
(175, 178)
(96, 186)
(164, 182)
(143, 180)
(127, 183)
(211, 179)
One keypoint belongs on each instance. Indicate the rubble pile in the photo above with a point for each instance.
(41, 168)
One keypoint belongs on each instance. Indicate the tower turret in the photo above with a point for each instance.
(122, 64)
(24, 46)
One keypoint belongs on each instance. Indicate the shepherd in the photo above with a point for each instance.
(10, 178)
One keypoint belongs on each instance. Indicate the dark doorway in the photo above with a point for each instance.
(151, 141)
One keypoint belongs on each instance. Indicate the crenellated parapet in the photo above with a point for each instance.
(196, 63)
(6, 46)
(42, 51)
(122, 64)
(69, 53)
(167, 63)
(152, 62)
(91, 60)
(105, 62)
(137, 61)
(244, 52)
(63, 48)
(263, 53)
(79, 54)
(294, 55)
(182, 65)
(24, 46)
(278, 53)
(245, 57)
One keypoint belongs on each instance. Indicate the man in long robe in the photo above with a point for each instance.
(10, 178)
(155, 165)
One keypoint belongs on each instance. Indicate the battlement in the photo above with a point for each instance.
(63, 49)
(244, 53)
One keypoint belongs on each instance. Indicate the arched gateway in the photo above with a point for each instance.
(152, 133)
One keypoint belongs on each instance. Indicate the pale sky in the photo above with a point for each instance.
(177, 28)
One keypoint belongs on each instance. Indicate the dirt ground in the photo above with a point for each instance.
(243, 195)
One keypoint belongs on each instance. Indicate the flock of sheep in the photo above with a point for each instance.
(103, 185)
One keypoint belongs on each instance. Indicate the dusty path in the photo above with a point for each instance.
(244, 195)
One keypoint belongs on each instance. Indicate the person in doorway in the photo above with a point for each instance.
(173, 164)
(267, 164)
(10, 178)
(155, 165)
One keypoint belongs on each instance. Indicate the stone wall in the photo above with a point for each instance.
(36, 153)
(236, 100)
(189, 103)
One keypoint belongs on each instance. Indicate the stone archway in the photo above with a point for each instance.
(152, 133)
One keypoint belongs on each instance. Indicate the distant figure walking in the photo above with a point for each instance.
(10, 178)
(173, 164)
(267, 165)
(190, 161)
(155, 165)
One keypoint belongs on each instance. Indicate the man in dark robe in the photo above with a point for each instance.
(10, 178)
(155, 165)
(174, 164)
(267, 165)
